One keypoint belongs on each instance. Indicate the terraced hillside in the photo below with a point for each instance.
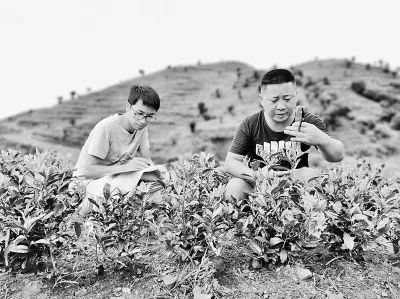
(365, 119)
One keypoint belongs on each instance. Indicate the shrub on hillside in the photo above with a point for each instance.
(238, 73)
(217, 93)
(192, 126)
(246, 83)
(395, 122)
(202, 108)
(358, 87)
(326, 81)
(239, 93)
(348, 63)
(334, 113)
(309, 82)
(256, 76)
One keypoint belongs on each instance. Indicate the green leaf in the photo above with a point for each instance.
(30, 222)
(382, 225)
(169, 281)
(107, 191)
(78, 229)
(42, 241)
(359, 217)
(94, 202)
(255, 247)
(217, 211)
(348, 241)
(283, 255)
(275, 240)
(18, 248)
(13, 246)
(337, 207)
(198, 294)
(198, 217)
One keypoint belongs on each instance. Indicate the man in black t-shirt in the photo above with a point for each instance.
(273, 137)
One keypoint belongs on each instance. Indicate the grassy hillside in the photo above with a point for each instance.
(364, 120)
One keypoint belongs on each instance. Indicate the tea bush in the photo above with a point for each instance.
(345, 210)
(35, 202)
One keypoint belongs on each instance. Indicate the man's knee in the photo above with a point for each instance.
(237, 188)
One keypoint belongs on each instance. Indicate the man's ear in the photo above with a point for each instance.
(127, 107)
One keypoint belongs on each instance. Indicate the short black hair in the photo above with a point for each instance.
(148, 95)
(277, 76)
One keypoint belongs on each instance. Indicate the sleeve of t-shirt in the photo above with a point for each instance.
(98, 143)
(316, 121)
(241, 140)
(145, 143)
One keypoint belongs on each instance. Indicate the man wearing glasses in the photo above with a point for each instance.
(118, 148)
(272, 138)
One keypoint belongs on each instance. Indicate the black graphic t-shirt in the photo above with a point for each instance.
(256, 140)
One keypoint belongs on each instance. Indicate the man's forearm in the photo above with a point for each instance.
(98, 171)
(331, 149)
(237, 168)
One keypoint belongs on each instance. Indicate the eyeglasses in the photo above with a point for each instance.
(138, 115)
(286, 97)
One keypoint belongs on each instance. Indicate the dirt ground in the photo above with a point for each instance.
(333, 277)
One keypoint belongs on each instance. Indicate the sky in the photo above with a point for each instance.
(50, 47)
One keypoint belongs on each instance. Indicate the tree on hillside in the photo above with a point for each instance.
(246, 83)
(238, 73)
(256, 75)
(59, 99)
(192, 126)
(230, 109)
(141, 72)
(368, 67)
(239, 93)
(386, 68)
(202, 108)
(88, 90)
(73, 94)
(348, 63)
(217, 93)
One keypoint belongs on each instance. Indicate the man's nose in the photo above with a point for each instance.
(280, 105)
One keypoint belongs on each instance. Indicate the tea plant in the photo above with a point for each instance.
(33, 207)
(194, 208)
(121, 222)
(362, 207)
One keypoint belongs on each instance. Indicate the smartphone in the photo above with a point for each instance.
(299, 115)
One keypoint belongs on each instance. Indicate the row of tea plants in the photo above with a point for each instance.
(345, 210)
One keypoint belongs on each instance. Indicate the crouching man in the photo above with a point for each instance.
(117, 150)
(273, 130)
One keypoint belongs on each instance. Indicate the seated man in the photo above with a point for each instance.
(117, 150)
(273, 132)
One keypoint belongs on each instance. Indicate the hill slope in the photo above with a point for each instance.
(364, 121)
